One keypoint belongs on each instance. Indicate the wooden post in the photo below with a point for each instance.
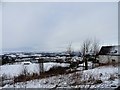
(86, 63)
(41, 66)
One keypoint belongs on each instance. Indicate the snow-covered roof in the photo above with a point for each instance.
(110, 50)
(22, 55)
(12, 55)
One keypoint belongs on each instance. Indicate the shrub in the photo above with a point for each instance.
(57, 69)
(98, 81)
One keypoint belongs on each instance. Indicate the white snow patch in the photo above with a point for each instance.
(15, 70)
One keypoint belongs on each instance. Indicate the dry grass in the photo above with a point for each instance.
(25, 76)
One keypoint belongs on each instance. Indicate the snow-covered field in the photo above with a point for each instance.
(16, 69)
(108, 75)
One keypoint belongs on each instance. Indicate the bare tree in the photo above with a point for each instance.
(69, 49)
(95, 46)
(86, 47)
(90, 46)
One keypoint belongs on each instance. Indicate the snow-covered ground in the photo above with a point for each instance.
(16, 69)
(108, 75)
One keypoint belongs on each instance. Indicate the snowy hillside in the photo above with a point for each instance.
(101, 77)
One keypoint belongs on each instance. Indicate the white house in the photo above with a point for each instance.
(109, 54)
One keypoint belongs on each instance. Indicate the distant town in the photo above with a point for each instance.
(63, 57)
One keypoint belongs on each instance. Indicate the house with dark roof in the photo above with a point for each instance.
(109, 54)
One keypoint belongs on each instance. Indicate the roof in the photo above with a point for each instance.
(110, 50)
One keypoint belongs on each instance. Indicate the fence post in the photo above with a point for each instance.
(41, 66)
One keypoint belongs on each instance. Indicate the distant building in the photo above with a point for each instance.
(109, 54)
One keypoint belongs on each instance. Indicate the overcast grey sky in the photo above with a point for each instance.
(52, 26)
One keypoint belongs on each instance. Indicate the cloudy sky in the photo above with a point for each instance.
(53, 26)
